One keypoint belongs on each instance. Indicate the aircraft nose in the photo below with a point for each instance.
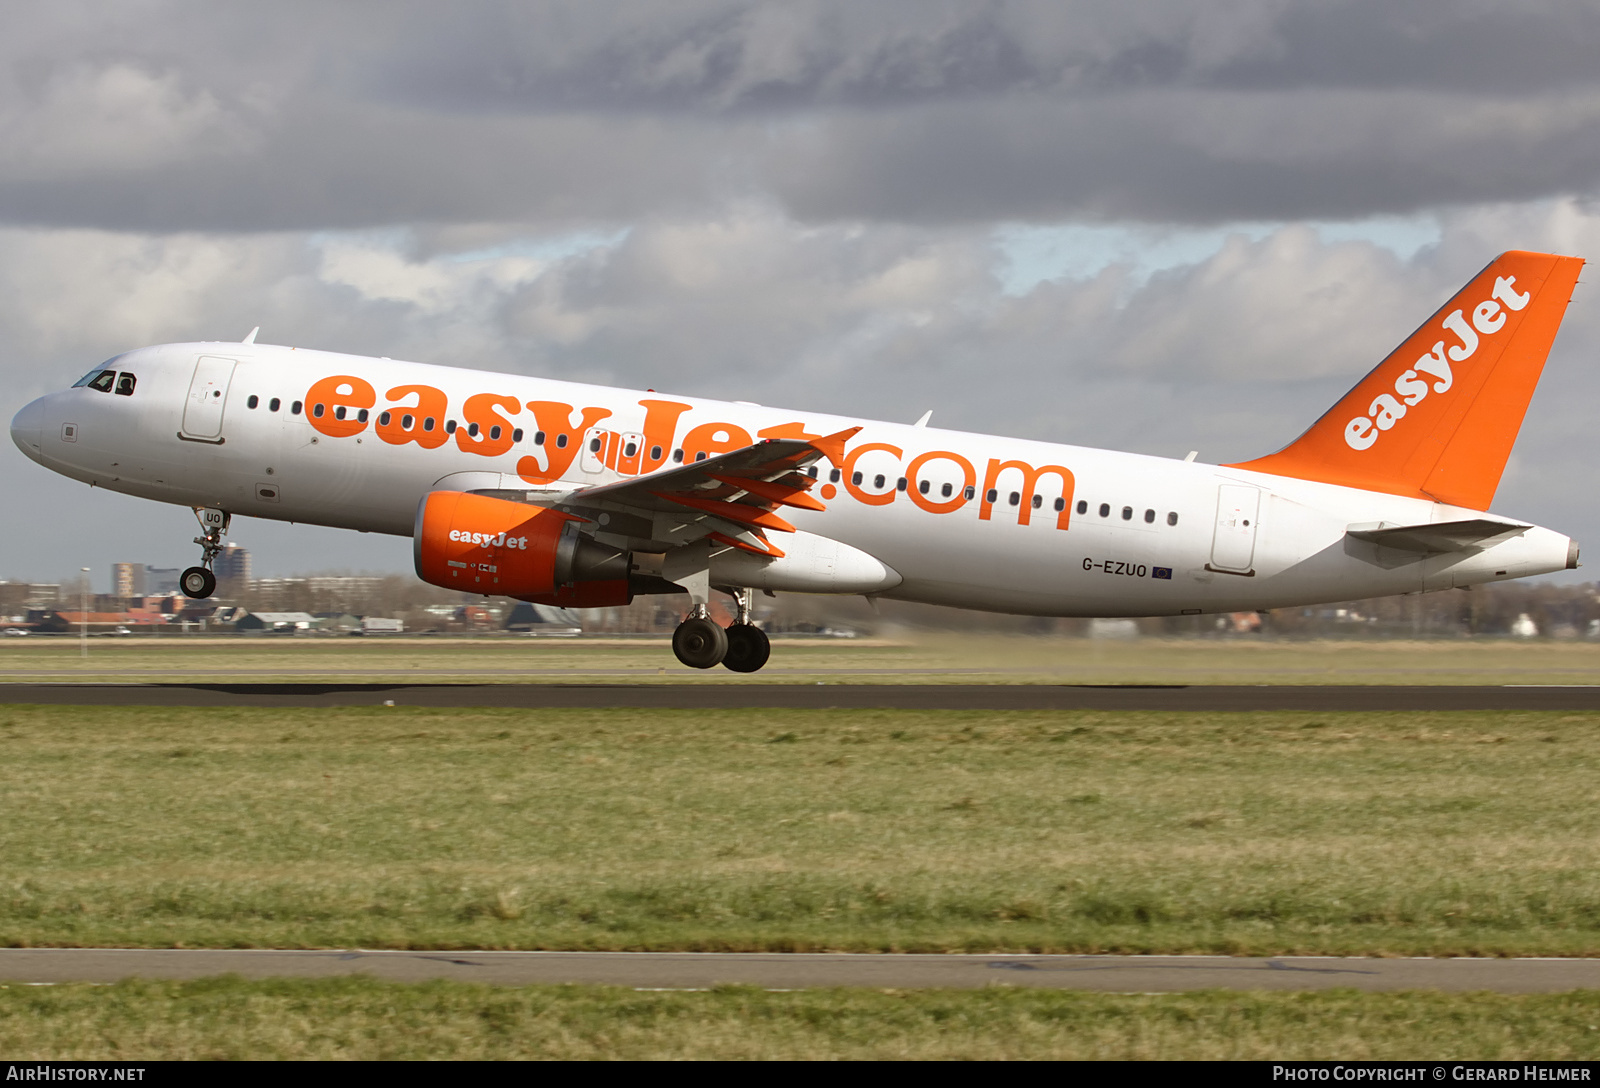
(26, 426)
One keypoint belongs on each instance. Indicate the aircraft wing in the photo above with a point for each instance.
(1436, 538)
(732, 497)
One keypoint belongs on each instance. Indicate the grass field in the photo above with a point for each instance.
(1463, 833)
(362, 1019)
(923, 659)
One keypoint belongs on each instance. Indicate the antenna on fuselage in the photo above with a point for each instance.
(923, 422)
(252, 337)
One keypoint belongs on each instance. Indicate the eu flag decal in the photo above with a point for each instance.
(1161, 572)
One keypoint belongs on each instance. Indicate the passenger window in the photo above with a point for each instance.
(627, 451)
(1149, 517)
(274, 404)
(427, 424)
(701, 456)
(877, 481)
(449, 426)
(516, 434)
(945, 490)
(1061, 504)
(317, 410)
(1015, 498)
(494, 433)
(294, 409)
(126, 382)
(900, 484)
(833, 476)
(103, 381)
(1038, 501)
(594, 445)
(969, 492)
(855, 478)
(561, 441)
(406, 421)
(1083, 506)
(923, 487)
(338, 413)
(472, 430)
(1172, 518)
(383, 419)
(538, 438)
(655, 455)
(252, 401)
(811, 472)
(1127, 513)
(361, 416)
(1105, 509)
(677, 457)
(992, 495)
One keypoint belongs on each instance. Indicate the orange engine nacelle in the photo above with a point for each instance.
(491, 546)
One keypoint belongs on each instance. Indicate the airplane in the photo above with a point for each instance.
(582, 496)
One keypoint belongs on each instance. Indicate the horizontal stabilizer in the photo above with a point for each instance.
(1437, 538)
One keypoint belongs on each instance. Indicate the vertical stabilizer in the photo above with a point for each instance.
(1438, 417)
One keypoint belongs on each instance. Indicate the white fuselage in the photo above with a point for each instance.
(1230, 539)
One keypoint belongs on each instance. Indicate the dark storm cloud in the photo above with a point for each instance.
(167, 117)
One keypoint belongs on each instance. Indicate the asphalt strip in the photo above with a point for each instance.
(735, 696)
(788, 971)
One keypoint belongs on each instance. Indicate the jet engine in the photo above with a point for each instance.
(491, 546)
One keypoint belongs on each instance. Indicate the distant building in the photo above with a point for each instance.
(279, 622)
(233, 566)
(161, 581)
(17, 598)
(127, 580)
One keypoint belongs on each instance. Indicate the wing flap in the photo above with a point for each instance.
(739, 490)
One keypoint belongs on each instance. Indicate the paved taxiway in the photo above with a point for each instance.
(706, 696)
(696, 970)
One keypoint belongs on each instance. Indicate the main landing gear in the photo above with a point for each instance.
(701, 644)
(199, 582)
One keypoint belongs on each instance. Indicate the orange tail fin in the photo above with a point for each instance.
(1438, 417)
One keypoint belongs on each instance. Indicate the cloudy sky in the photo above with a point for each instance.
(1153, 226)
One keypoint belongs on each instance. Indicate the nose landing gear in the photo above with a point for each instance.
(701, 644)
(199, 582)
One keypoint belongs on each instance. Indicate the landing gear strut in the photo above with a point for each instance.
(199, 582)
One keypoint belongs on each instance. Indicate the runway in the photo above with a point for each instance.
(692, 970)
(738, 696)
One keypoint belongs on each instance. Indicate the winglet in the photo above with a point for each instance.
(252, 337)
(832, 446)
(1438, 417)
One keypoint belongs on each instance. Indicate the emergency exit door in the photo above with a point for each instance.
(1233, 548)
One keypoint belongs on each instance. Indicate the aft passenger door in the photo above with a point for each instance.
(208, 397)
(1233, 547)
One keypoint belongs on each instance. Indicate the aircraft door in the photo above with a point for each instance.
(208, 397)
(631, 453)
(592, 457)
(1234, 545)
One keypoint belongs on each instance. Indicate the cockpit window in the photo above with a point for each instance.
(125, 384)
(103, 381)
(98, 372)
